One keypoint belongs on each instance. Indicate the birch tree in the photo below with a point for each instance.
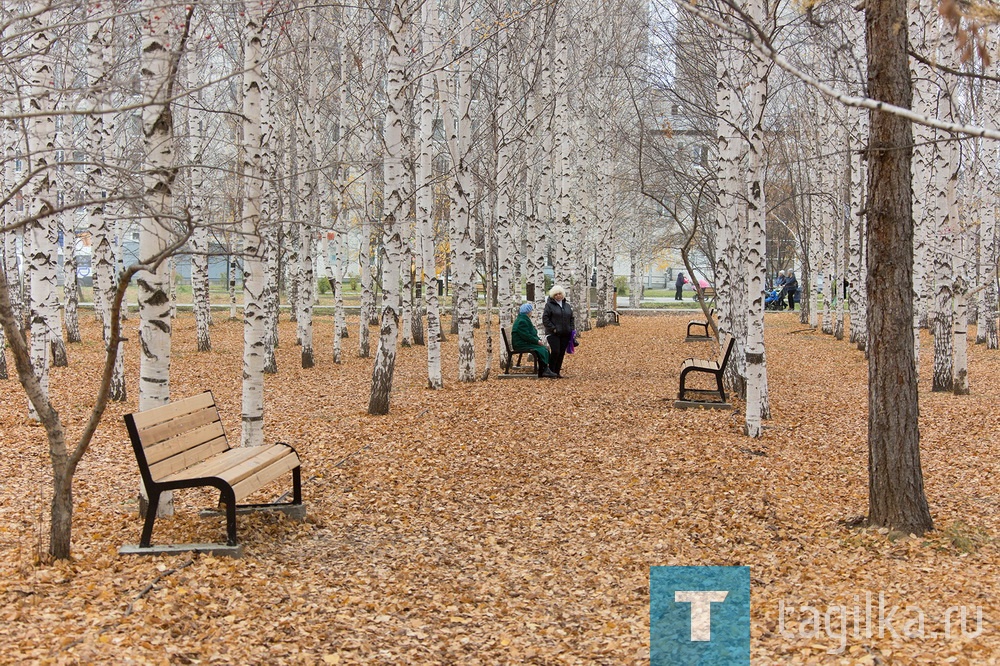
(200, 299)
(755, 264)
(727, 136)
(254, 314)
(946, 168)
(97, 143)
(458, 124)
(400, 20)
(425, 203)
(163, 36)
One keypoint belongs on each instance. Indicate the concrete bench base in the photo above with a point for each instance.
(173, 549)
(695, 404)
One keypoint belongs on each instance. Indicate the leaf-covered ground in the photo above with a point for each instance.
(510, 521)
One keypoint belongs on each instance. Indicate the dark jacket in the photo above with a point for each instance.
(523, 335)
(558, 319)
(680, 281)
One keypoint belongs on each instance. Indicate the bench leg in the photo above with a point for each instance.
(297, 485)
(722, 389)
(147, 526)
(229, 498)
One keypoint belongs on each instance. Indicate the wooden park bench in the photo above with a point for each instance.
(707, 293)
(710, 398)
(509, 363)
(694, 335)
(183, 445)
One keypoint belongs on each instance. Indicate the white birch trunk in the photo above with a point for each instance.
(97, 142)
(727, 136)
(858, 272)
(329, 268)
(40, 235)
(988, 257)
(340, 212)
(546, 194)
(757, 407)
(200, 297)
(395, 213)
(922, 15)
(235, 248)
(155, 325)
(57, 186)
(458, 129)
(364, 253)
(308, 192)
(12, 239)
(830, 214)
(946, 169)
(272, 296)
(507, 298)
(70, 287)
(842, 223)
(157, 127)
(254, 258)
(534, 228)
(269, 210)
(406, 292)
(425, 213)
(563, 153)
(814, 217)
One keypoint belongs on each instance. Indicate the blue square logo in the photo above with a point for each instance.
(699, 616)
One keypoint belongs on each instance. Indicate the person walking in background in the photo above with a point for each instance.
(791, 286)
(523, 335)
(559, 326)
(681, 281)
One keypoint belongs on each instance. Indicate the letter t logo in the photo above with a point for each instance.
(701, 610)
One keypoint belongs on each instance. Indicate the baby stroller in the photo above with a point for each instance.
(772, 300)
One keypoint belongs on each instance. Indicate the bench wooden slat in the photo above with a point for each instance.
(265, 476)
(187, 440)
(217, 464)
(191, 456)
(164, 431)
(233, 475)
(172, 410)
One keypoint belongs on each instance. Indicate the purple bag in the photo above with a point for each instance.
(571, 347)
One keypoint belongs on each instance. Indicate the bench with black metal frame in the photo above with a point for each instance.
(692, 333)
(509, 364)
(707, 294)
(183, 445)
(708, 398)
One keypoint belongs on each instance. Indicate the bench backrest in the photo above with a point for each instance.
(177, 435)
(506, 340)
(726, 350)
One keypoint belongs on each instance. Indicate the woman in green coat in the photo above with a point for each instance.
(524, 336)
